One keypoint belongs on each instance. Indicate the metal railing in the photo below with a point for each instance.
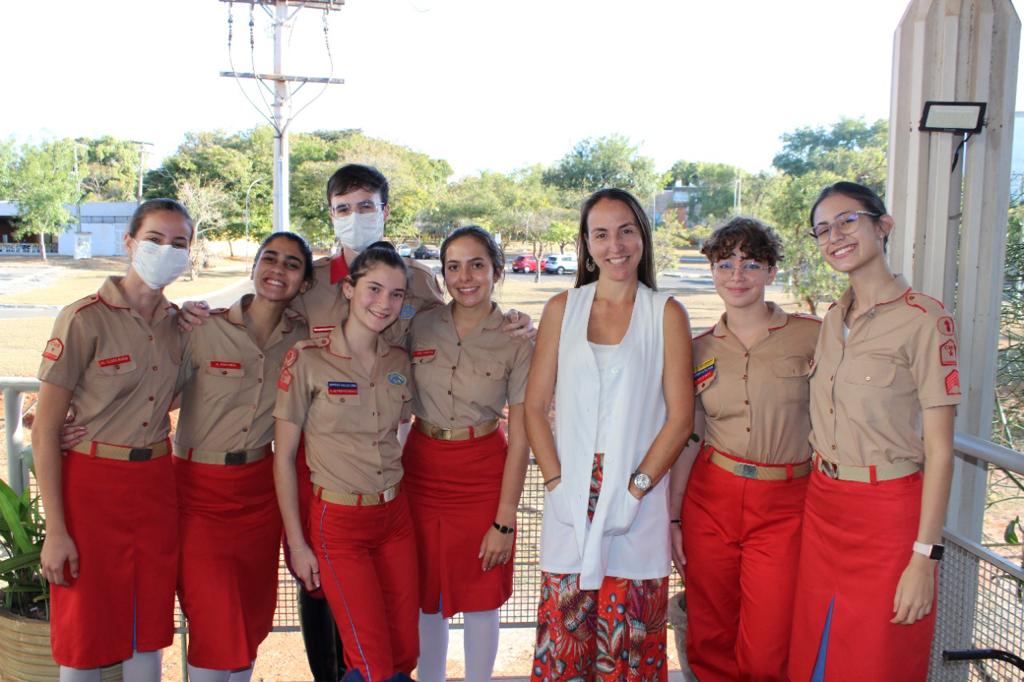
(981, 594)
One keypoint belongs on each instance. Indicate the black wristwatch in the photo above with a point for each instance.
(933, 552)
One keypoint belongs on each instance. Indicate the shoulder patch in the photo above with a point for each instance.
(408, 312)
(290, 357)
(947, 353)
(396, 379)
(54, 349)
(703, 372)
(953, 383)
(284, 382)
(946, 325)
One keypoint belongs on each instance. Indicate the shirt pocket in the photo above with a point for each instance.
(342, 399)
(792, 367)
(423, 355)
(791, 383)
(221, 379)
(488, 369)
(867, 372)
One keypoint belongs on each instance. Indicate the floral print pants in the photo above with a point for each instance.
(616, 632)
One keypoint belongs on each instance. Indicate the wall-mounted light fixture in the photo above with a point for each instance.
(959, 118)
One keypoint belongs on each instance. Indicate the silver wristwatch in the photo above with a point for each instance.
(642, 481)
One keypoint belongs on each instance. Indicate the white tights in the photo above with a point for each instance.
(480, 644)
(143, 666)
(208, 675)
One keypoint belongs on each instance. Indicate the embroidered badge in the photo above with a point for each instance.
(945, 325)
(224, 364)
(284, 382)
(947, 353)
(342, 388)
(424, 353)
(396, 379)
(407, 312)
(290, 357)
(326, 329)
(54, 349)
(953, 383)
(704, 372)
(116, 361)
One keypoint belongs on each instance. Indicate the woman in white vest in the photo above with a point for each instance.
(616, 356)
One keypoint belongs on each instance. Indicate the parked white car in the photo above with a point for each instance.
(561, 263)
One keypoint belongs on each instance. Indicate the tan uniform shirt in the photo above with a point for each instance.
(325, 306)
(349, 417)
(867, 392)
(120, 369)
(465, 382)
(230, 383)
(756, 400)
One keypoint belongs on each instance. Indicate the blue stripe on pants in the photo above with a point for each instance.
(818, 674)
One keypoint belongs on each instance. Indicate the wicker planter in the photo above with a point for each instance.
(25, 651)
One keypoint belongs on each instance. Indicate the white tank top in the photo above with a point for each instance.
(609, 370)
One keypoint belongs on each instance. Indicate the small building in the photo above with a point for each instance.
(101, 232)
(676, 200)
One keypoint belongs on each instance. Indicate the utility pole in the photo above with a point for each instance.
(142, 165)
(281, 116)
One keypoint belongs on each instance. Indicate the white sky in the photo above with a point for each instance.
(485, 84)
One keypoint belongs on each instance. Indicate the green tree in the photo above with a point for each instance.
(43, 182)
(808, 149)
(716, 183)
(563, 233)
(109, 169)
(205, 201)
(611, 161)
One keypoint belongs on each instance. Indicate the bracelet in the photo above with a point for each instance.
(504, 530)
(552, 480)
(679, 521)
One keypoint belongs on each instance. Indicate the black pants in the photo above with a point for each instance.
(320, 635)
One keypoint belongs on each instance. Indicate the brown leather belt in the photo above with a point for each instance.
(758, 472)
(458, 433)
(869, 474)
(357, 499)
(233, 458)
(124, 453)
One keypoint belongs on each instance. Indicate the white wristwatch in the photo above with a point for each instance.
(933, 552)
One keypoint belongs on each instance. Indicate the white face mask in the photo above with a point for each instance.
(358, 230)
(157, 265)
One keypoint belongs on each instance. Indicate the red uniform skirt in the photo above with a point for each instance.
(230, 542)
(454, 488)
(123, 518)
(857, 539)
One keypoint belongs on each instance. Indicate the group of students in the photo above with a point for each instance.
(806, 514)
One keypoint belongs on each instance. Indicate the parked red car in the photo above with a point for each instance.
(525, 263)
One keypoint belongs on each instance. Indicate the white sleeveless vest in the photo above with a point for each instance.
(637, 415)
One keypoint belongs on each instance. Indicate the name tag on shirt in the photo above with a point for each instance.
(222, 364)
(116, 360)
(342, 388)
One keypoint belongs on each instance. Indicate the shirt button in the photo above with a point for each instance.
(746, 355)
(373, 414)
(748, 429)
(744, 377)
(746, 402)
(145, 423)
(867, 378)
(374, 443)
(154, 368)
(453, 369)
(151, 398)
(833, 446)
(223, 371)
(259, 380)
(371, 384)
(342, 400)
(831, 411)
(379, 473)
(244, 429)
(151, 338)
(260, 356)
(449, 392)
(831, 378)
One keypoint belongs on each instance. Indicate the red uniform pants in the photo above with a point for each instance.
(367, 561)
(741, 537)
(857, 540)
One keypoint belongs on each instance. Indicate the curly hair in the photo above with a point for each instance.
(754, 239)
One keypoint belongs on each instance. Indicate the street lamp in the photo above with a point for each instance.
(247, 191)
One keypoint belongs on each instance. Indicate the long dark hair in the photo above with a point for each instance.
(865, 196)
(307, 253)
(645, 270)
(378, 252)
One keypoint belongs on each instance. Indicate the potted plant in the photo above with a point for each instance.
(24, 593)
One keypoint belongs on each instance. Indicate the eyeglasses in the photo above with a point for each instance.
(748, 267)
(846, 223)
(368, 206)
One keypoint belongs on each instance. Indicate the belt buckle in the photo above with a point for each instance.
(235, 458)
(828, 468)
(140, 454)
(443, 433)
(745, 470)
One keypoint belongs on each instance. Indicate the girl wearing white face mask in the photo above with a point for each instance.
(111, 511)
